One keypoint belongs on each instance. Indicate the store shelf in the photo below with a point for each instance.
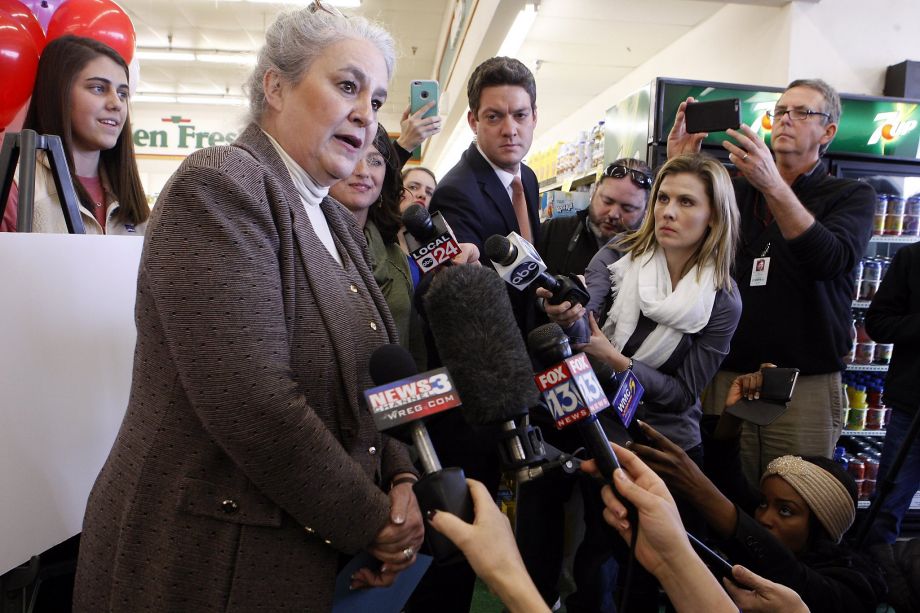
(868, 367)
(914, 503)
(879, 433)
(894, 239)
(861, 304)
(573, 180)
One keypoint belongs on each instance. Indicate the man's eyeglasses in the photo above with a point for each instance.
(638, 177)
(796, 114)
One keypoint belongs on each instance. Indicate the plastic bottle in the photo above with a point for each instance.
(859, 398)
(840, 456)
(853, 336)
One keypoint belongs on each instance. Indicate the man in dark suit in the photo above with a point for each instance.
(488, 192)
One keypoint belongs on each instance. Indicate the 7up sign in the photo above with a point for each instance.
(889, 126)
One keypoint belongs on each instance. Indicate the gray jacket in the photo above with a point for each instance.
(671, 403)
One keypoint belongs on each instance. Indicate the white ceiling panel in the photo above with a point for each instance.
(581, 46)
(228, 26)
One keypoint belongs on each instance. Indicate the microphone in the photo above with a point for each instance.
(573, 392)
(519, 264)
(429, 239)
(478, 340)
(401, 401)
(550, 344)
(623, 391)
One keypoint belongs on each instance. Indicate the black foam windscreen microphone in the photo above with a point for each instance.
(417, 221)
(429, 239)
(479, 342)
(519, 264)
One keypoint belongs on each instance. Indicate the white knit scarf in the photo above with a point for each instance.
(643, 286)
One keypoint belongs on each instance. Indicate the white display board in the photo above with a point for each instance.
(66, 356)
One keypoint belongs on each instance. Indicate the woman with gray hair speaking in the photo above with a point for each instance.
(246, 470)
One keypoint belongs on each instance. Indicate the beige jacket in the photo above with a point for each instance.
(47, 217)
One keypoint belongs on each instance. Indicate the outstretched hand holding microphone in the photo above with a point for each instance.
(662, 548)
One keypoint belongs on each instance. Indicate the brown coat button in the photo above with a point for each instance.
(229, 506)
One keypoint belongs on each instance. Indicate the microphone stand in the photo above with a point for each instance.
(22, 147)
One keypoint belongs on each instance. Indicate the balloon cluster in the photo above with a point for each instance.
(28, 24)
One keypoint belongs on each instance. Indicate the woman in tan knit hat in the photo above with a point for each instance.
(790, 529)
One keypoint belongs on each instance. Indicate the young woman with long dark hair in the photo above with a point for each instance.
(81, 94)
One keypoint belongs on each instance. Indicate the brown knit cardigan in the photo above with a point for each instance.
(245, 465)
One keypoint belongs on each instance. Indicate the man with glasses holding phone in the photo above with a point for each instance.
(618, 204)
(802, 233)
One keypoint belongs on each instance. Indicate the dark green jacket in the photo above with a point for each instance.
(391, 271)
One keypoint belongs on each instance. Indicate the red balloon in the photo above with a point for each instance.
(18, 65)
(26, 19)
(102, 20)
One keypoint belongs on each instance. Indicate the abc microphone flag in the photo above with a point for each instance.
(518, 263)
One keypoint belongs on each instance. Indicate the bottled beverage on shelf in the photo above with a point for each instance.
(883, 264)
(871, 277)
(881, 210)
(861, 335)
(877, 417)
(840, 456)
(874, 394)
(856, 416)
(894, 219)
(883, 353)
(845, 409)
(865, 353)
(852, 357)
(856, 468)
(858, 399)
(912, 216)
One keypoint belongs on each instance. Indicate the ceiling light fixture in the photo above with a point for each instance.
(164, 55)
(212, 56)
(518, 31)
(244, 59)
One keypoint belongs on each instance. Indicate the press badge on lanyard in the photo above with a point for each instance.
(761, 268)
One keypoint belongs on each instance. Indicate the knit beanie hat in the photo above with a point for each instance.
(824, 494)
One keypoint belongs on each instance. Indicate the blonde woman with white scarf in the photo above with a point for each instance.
(667, 306)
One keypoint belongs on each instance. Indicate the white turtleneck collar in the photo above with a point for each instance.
(311, 194)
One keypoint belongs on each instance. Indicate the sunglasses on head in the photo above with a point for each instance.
(638, 177)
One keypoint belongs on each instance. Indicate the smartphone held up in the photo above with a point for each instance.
(713, 116)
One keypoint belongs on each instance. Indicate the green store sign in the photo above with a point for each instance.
(179, 133)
